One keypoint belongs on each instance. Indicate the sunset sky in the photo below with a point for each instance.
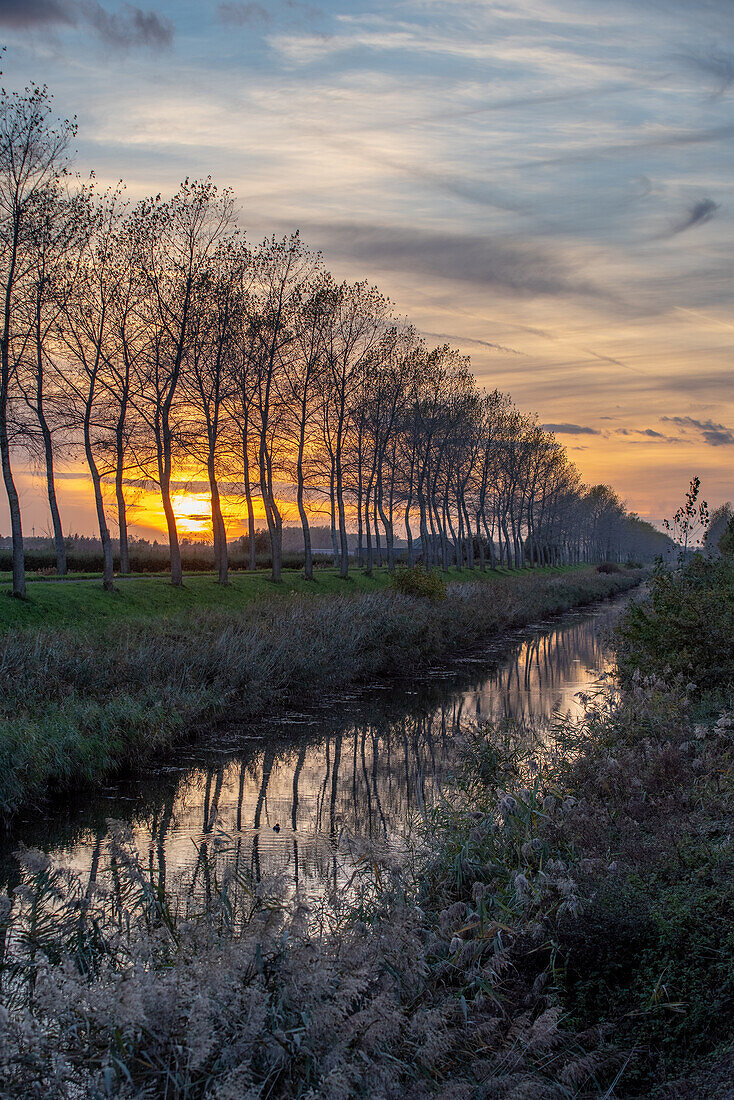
(548, 184)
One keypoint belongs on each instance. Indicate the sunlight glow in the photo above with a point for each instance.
(193, 514)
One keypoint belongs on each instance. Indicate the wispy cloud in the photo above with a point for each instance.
(642, 435)
(469, 340)
(669, 139)
(252, 14)
(570, 429)
(716, 66)
(29, 13)
(715, 435)
(697, 214)
(502, 263)
(129, 27)
(243, 15)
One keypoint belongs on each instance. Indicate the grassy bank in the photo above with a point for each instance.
(79, 706)
(564, 931)
(80, 602)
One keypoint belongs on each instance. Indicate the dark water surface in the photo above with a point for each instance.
(294, 796)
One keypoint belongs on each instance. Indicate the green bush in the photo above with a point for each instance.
(684, 627)
(417, 581)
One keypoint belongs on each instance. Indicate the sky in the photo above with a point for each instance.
(546, 184)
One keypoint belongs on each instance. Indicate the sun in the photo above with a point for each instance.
(193, 513)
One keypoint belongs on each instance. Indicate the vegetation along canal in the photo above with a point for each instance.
(293, 800)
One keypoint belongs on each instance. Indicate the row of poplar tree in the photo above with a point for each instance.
(154, 339)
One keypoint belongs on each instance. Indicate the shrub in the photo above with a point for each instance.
(418, 581)
(684, 627)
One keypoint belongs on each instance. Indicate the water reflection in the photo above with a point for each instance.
(291, 796)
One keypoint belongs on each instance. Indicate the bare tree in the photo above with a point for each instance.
(57, 222)
(301, 386)
(32, 149)
(358, 318)
(88, 337)
(180, 237)
(206, 378)
(281, 269)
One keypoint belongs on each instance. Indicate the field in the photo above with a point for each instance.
(81, 603)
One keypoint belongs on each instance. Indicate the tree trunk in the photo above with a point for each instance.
(423, 527)
(121, 506)
(368, 529)
(48, 451)
(469, 536)
(16, 528)
(343, 543)
(408, 532)
(59, 544)
(307, 555)
(218, 529)
(104, 532)
(175, 549)
(164, 466)
(272, 513)
(248, 498)
(332, 517)
(387, 524)
(378, 544)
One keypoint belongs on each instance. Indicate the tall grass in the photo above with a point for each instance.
(77, 708)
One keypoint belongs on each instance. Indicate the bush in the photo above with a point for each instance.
(417, 581)
(685, 626)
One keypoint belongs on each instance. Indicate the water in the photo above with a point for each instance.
(297, 795)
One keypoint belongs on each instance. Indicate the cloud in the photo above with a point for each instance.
(132, 27)
(639, 435)
(698, 214)
(129, 27)
(250, 14)
(715, 435)
(717, 438)
(243, 15)
(506, 264)
(715, 65)
(469, 340)
(28, 13)
(570, 429)
(665, 139)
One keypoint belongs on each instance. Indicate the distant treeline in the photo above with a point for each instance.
(85, 555)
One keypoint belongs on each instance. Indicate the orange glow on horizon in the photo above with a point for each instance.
(194, 519)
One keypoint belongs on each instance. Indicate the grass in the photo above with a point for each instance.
(81, 603)
(84, 702)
